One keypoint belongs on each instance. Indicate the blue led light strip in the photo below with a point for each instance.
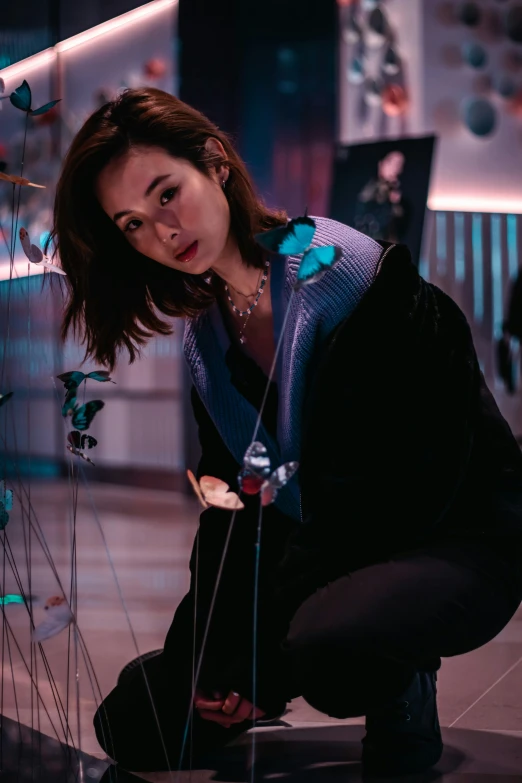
(460, 262)
(478, 272)
(512, 245)
(496, 276)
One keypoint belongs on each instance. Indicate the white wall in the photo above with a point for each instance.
(142, 422)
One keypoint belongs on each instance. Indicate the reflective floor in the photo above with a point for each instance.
(149, 536)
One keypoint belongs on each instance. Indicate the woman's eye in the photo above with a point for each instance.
(129, 224)
(167, 194)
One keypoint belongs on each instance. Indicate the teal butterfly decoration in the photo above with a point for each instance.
(11, 599)
(21, 99)
(295, 238)
(82, 415)
(6, 504)
(5, 398)
(74, 378)
(76, 442)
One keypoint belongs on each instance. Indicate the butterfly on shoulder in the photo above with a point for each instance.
(296, 238)
(214, 492)
(256, 476)
(76, 442)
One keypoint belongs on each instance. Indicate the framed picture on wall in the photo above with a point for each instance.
(381, 189)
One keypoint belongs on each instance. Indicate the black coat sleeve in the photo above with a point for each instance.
(226, 662)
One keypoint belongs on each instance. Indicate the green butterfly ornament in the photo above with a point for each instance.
(21, 98)
(81, 415)
(74, 378)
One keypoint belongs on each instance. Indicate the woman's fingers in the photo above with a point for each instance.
(233, 709)
(204, 703)
(232, 701)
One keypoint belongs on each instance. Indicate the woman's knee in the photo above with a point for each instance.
(105, 719)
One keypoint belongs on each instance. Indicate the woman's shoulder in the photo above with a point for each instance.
(351, 241)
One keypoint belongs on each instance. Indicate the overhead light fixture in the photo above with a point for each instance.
(124, 20)
(495, 205)
(136, 15)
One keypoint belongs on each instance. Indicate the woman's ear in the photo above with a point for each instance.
(214, 147)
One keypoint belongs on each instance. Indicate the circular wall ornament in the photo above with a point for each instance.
(479, 116)
(505, 86)
(391, 63)
(394, 100)
(377, 30)
(352, 32)
(469, 14)
(372, 93)
(356, 72)
(474, 55)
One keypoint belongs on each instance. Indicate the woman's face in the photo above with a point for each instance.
(164, 206)
(391, 166)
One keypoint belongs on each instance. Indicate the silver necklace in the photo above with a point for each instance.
(246, 313)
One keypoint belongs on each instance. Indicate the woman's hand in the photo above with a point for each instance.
(233, 709)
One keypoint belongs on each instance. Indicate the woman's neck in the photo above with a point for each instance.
(231, 268)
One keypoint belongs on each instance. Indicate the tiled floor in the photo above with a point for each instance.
(149, 537)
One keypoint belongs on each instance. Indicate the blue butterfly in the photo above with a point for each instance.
(82, 415)
(295, 238)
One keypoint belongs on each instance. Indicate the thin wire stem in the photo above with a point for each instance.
(254, 646)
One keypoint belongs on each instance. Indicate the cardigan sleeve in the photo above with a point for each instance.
(227, 655)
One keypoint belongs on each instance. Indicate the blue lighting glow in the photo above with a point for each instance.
(512, 246)
(460, 261)
(496, 276)
(478, 272)
(442, 250)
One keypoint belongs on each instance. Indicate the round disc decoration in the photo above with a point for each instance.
(391, 64)
(505, 86)
(372, 93)
(356, 71)
(155, 68)
(479, 116)
(377, 30)
(469, 14)
(394, 100)
(474, 55)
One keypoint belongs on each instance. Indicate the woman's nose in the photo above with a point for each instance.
(164, 233)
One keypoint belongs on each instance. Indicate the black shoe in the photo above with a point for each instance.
(132, 665)
(403, 736)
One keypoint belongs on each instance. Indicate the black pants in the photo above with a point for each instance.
(352, 645)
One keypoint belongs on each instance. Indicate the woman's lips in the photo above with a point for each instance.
(188, 254)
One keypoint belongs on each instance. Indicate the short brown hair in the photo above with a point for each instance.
(114, 292)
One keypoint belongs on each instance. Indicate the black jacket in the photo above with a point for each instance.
(403, 445)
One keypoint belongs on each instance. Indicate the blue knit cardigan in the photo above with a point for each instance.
(314, 312)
